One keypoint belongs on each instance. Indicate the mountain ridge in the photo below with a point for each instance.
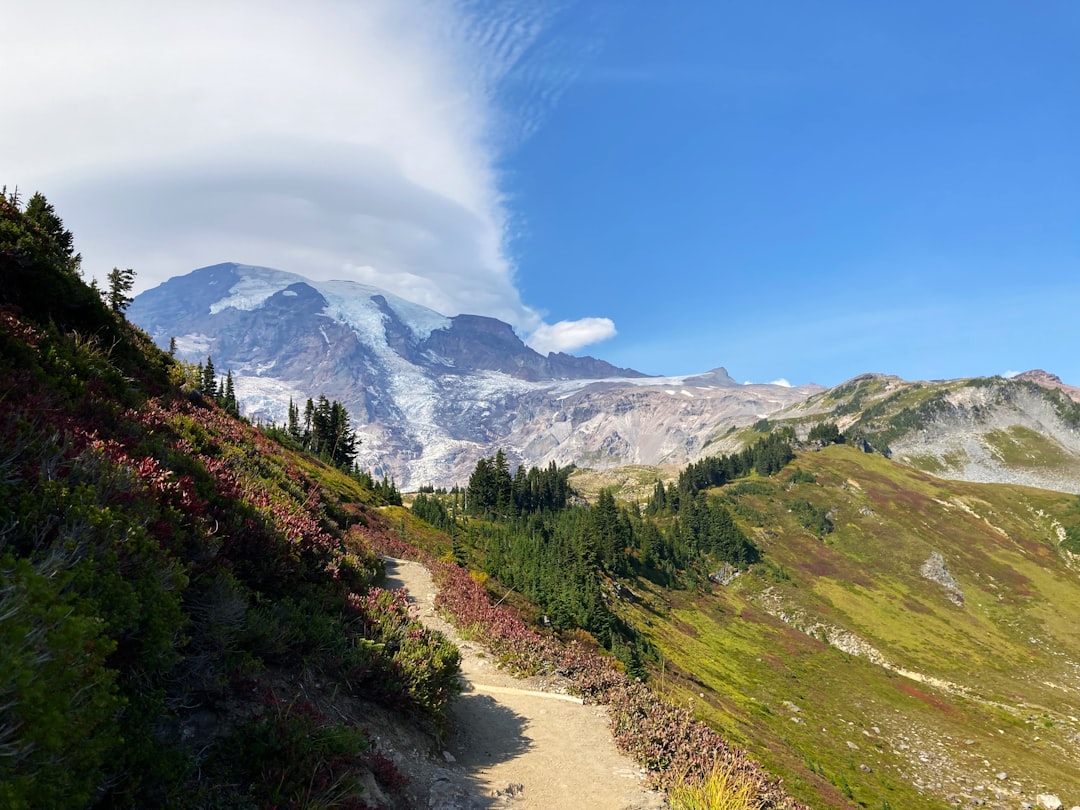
(432, 394)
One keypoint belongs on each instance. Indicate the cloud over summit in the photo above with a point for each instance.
(338, 140)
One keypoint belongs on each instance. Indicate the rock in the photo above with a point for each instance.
(1001, 775)
(1048, 801)
(866, 768)
(372, 791)
(934, 570)
(725, 575)
(852, 746)
(511, 791)
(445, 795)
(448, 756)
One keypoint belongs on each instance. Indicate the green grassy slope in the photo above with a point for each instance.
(863, 682)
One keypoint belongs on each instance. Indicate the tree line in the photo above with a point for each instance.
(324, 430)
(530, 532)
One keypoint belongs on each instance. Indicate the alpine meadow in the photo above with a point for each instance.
(817, 611)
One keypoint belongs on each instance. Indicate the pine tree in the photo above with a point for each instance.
(120, 284)
(306, 437)
(208, 384)
(41, 214)
(230, 395)
(294, 421)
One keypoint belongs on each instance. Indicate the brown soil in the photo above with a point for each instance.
(522, 743)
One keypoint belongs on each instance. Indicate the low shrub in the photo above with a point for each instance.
(667, 740)
(291, 756)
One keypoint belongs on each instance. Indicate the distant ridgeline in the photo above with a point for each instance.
(530, 532)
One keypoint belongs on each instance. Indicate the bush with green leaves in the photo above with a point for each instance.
(59, 702)
(420, 666)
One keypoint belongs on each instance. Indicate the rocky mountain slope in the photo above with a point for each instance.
(1023, 430)
(430, 394)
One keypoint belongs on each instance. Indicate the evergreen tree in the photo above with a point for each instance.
(480, 494)
(230, 402)
(503, 483)
(39, 270)
(826, 433)
(60, 242)
(121, 283)
(309, 424)
(208, 385)
(294, 421)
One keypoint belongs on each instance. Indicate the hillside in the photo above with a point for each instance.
(874, 635)
(1024, 430)
(906, 641)
(189, 614)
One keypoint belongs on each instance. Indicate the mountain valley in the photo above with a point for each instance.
(919, 648)
(871, 590)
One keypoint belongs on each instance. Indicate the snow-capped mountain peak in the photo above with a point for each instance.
(431, 394)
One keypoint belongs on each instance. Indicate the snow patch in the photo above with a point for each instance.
(195, 344)
(352, 302)
(252, 291)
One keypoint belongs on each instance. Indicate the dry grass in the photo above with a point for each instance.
(722, 789)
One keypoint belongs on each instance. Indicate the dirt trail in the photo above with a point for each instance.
(518, 745)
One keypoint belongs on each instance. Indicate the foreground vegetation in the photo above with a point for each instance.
(172, 579)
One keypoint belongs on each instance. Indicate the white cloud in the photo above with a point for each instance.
(781, 382)
(566, 336)
(1008, 375)
(336, 139)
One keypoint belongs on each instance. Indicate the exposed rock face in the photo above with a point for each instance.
(934, 570)
(1024, 430)
(1048, 380)
(1005, 432)
(430, 394)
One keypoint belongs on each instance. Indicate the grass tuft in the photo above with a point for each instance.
(722, 789)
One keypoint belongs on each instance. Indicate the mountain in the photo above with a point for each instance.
(431, 394)
(907, 641)
(1023, 430)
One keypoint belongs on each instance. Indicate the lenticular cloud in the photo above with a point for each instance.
(340, 140)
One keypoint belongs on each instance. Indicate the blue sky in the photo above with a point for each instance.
(795, 190)
(814, 190)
